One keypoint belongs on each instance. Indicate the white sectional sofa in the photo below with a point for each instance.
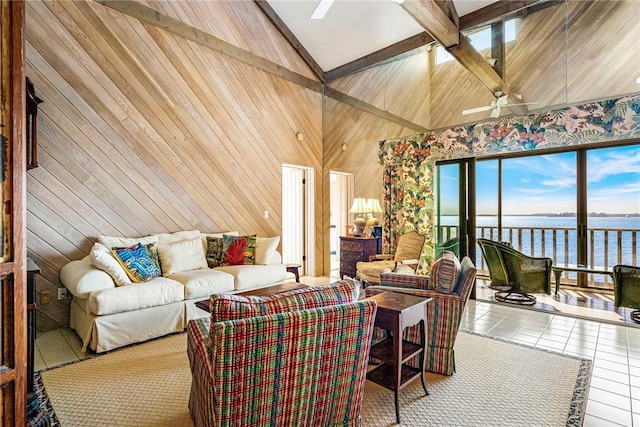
(107, 312)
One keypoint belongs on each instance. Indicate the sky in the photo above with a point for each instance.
(547, 184)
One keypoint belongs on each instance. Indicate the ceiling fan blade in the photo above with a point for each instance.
(321, 9)
(477, 110)
(495, 112)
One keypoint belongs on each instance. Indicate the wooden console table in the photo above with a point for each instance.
(355, 249)
(397, 311)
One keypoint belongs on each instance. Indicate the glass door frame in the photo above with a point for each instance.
(466, 206)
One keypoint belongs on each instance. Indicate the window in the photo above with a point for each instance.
(480, 40)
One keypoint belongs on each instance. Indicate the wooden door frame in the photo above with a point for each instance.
(13, 370)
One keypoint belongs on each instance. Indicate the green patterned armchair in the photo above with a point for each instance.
(297, 358)
(626, 288)
(515, 275)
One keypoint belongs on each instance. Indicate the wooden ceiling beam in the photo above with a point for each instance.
(379, 56)
(499, 11)
(293, 41)
(428, 14)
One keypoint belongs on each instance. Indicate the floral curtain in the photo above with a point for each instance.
(409, 162)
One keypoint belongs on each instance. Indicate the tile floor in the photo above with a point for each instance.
(614, 393)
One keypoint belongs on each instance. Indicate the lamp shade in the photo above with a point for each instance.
(359, 206)
(374, 206)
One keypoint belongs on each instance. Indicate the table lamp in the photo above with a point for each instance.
(359, 208)
(374, 209)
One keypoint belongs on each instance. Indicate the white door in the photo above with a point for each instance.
(297, 217)
(341, 192)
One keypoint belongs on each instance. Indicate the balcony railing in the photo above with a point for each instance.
(605, 247)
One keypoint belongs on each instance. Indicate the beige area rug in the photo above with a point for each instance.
(496, 384)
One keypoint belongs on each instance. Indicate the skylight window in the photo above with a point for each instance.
(480, 40)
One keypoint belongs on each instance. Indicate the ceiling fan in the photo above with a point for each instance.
(495, 106)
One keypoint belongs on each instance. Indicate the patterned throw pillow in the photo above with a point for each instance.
(215, 250)
(152, 250)
(231, 307)
(238, 250)
(445, 273)
(137, 263)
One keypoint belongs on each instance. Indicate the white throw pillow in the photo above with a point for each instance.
(125, 242)
(101, 257)
(265, 248)
(178, 236)
(182, 256)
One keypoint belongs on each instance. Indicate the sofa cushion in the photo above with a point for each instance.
(214, 251)
(159, 291)
(231, 307)
(181, 256)
(265, 249)
(81, 278)
(238, 250)
(137, 263)
(125, 242)
(204, 282)
(102, 258)
(251, 276)
(178, 236)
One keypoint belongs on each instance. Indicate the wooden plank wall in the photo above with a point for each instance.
(143, 131)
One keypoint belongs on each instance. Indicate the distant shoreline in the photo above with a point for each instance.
(567, 215)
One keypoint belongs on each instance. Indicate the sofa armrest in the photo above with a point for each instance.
(81, 278)
(412, 281)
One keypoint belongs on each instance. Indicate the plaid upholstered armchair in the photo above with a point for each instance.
(297, 358)
(449, 284)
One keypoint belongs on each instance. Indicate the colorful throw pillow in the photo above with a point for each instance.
(238, 250)
(137, 263)
(231, 307)
(152, 250)
(215, 250)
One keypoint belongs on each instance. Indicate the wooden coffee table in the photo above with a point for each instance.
(397, 311)
(260, 292)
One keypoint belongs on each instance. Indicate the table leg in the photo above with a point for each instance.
(557, 273)
(397, 366)
(423, 337)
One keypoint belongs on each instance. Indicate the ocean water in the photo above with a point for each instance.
(604, 234)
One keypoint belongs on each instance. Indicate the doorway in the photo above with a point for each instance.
(298, 217)
(341, 188)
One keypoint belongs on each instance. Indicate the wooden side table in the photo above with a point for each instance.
(397, 311)
(295, 269)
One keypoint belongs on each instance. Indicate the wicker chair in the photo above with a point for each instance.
(406, 259)
(626, 288)
(515, 275)
(449, 284)
(289, 367)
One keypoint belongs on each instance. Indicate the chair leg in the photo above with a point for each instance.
(521, 298)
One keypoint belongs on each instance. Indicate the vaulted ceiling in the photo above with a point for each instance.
(355, 34)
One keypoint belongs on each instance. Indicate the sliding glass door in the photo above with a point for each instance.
(455, 207)
(579, 207)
